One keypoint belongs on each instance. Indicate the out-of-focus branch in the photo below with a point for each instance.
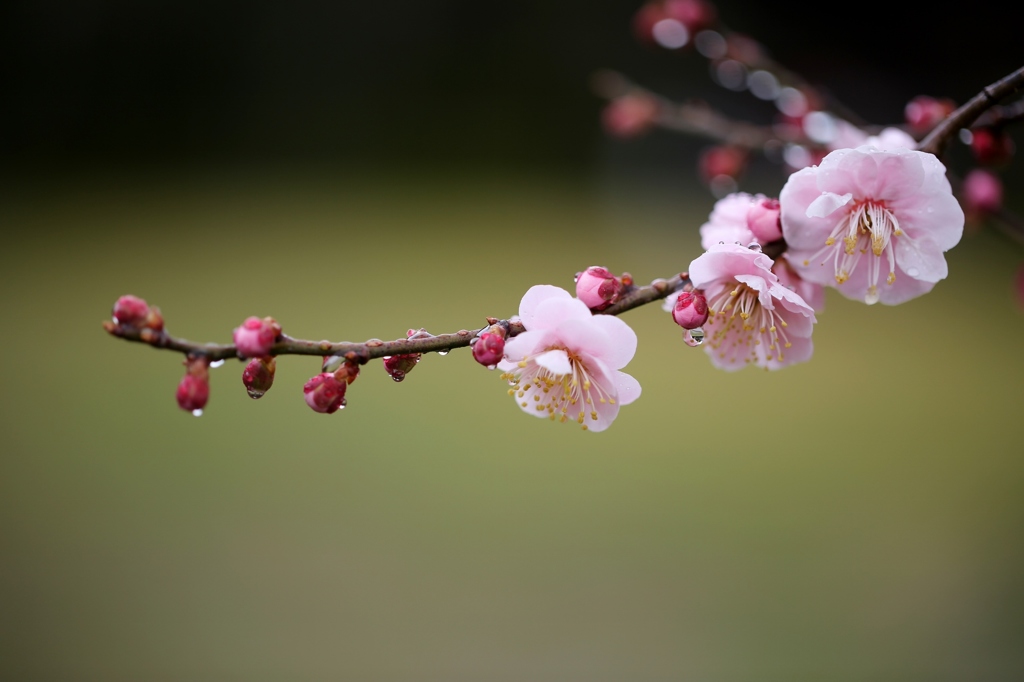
(375, 348)
(1002, 115)
(965, 116)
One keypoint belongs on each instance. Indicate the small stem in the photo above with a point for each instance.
(375, 348)
(936, 141)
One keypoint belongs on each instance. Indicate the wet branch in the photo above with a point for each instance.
(375, 348)
(939, 138)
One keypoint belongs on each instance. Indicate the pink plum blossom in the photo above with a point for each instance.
(744, 218)
(566, 364)
(753, 319)
(873, 223)
(255, 337)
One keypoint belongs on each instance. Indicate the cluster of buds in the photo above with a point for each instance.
(194, 388)
(489, 344)
(325, 393)
(134, 312)
(397, 366)
(599, 288)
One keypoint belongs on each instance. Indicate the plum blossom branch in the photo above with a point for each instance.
(375, 348)
(937, 139)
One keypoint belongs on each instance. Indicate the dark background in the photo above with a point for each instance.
(430, 82)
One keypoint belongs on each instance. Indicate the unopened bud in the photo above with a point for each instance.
(348, 371)
(194, 388)
(629, 116)
(764, 220)
(255, 337)
(397, 366)
(489, 349)
(991, 147)
(982, 193)
(258, 376)
(924, 113)
(155, 320)
(131, 311)
(597, 287)
(691, 309)
(695, 15)
(324, 393)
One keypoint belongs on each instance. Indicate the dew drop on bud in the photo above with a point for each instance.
(197, 413)
(694, 337)
(492, 367)
(754, 246)
(216, 363)
(398, 376)
(255, 395)
(575, 279)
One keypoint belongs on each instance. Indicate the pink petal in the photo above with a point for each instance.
(552, 312)
(534, 297)
(622, 340)
(528, 343)
(827, 204)
(626, 386)
(921, 259)
(555, 361)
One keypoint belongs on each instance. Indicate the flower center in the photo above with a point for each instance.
(867, 226)
(562, 396)
(739, 324)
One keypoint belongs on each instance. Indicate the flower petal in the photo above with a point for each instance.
(621, 339)
(627, 387)
(552, 312)
(534, 297)
(827, 204)
(555, 361)
(921, 259)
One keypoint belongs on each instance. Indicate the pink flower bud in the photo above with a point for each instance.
(597, 287)
(691, 309)
(258, 376)
(695, 15)
(489, 349)
(324, 393)
(924, 113)
(131, 311)
(629, 116)
(763, 219)
(194, 388)
(255, 337)
(991, 147)
(722, 161)
(397, 366)
(983, 192)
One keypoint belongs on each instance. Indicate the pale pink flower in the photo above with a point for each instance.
(873, 223)
(753, 319)
(566, 364)
(890, 139)
(741, 217)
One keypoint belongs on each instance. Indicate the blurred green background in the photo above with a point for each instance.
(856, 517)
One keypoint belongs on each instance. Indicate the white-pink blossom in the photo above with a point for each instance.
(873, 223)
(565, 366)
(753, 319)
(741, 217)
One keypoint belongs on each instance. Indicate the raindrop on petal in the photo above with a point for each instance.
(754, 246)
(694, 337)
(913, 272)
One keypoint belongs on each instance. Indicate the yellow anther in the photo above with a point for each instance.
(593, 415)
(563, 419)
(586, 385)
(773, 329)
(523, 404)
(522, 363)
(536, 398)
(789, 344)
(584, 427)
(891, 278)
(784, 325)
(828, 242)
(579, 419)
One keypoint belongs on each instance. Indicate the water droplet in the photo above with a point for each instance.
(721, 242)
(216, 363)
(444, 352)
(197, 413)
(913, 272)
(333, 363)
(754, 246)
(492, 367)
(116, 321)
(473, 340)
(871, 297)
(254, 394)
(398, 376)
(693, 337)
(575, 278)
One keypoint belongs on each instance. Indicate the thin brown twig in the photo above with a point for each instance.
(375, 348)
(937, 140)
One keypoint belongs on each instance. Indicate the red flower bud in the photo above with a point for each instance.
(324, 393)
(194, 389)
(691, 309)
(131, 311)
(255, 337)
(764, 220)
(629, 116)
(397, 366)
(258, 376)
(991, 147)
(597, 287)
(924, 113)
(489, 349)
(982, 193)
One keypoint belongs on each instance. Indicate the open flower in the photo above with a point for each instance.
(752, 318)
(566, 364)
(872, 223)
